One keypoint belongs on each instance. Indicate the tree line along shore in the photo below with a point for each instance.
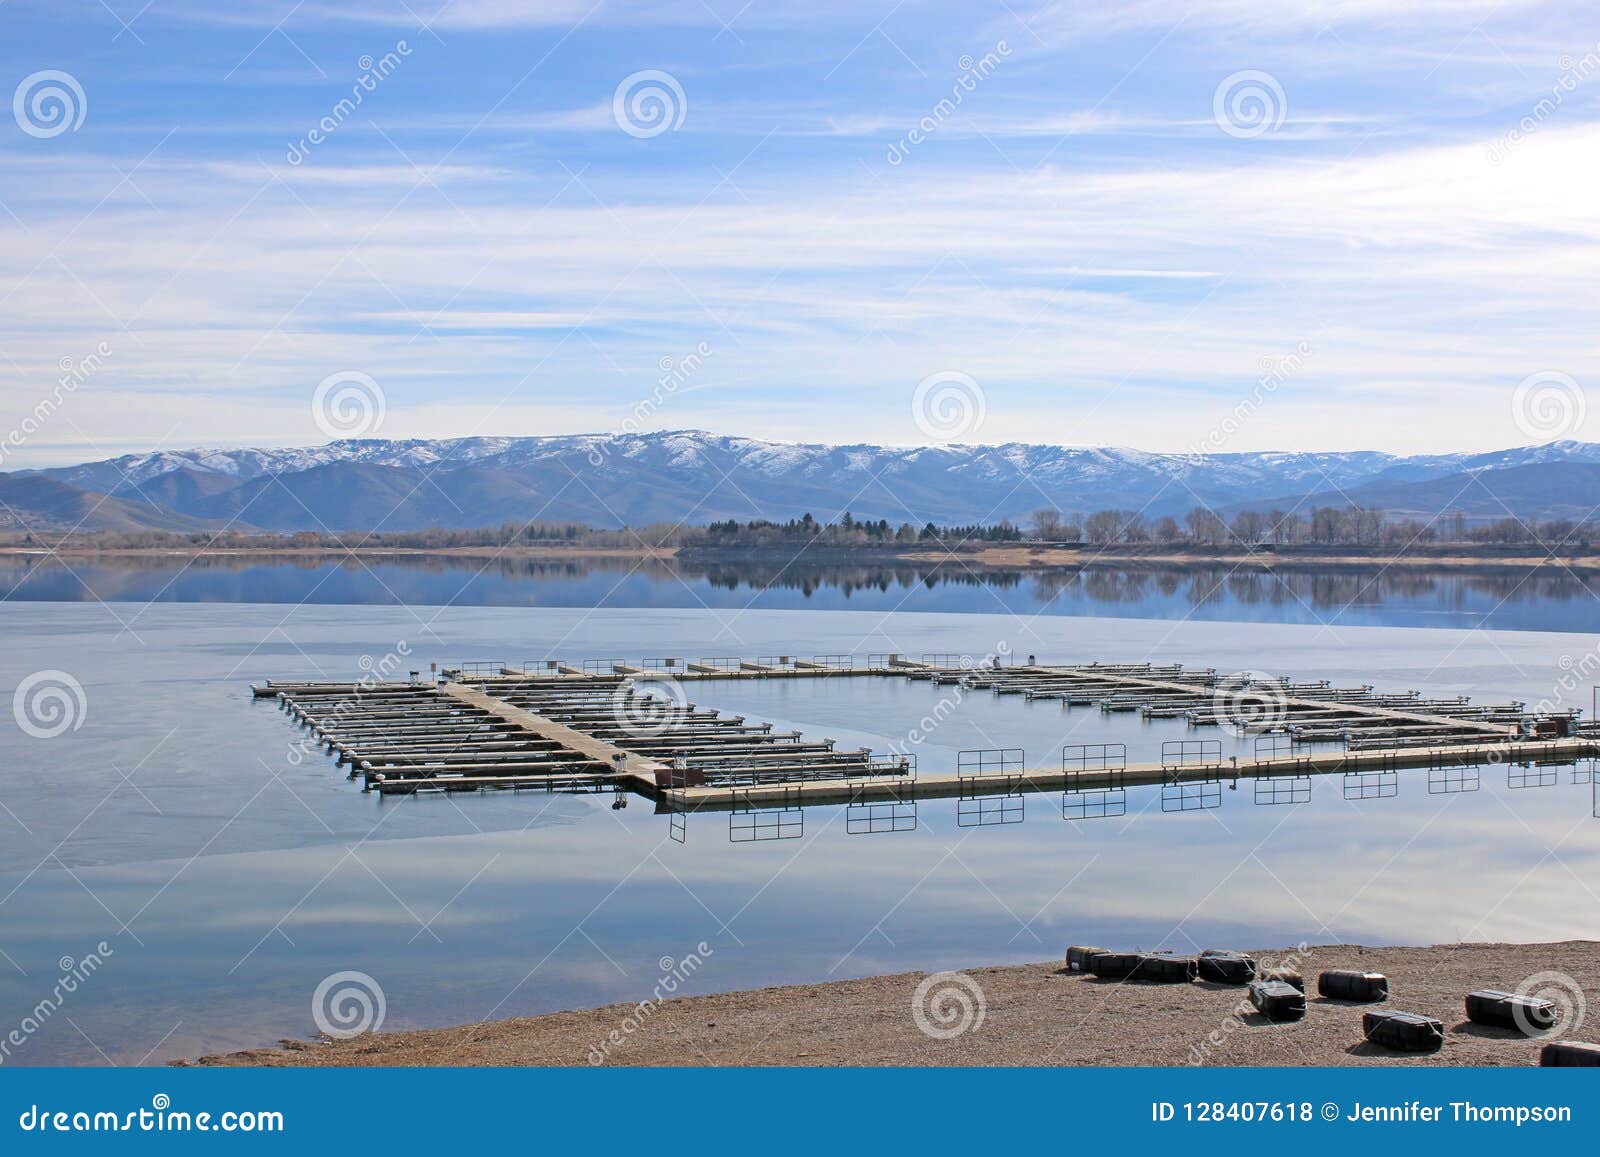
(1339, 533)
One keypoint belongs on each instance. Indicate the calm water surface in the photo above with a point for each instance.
(1546, 600)
(229, 876)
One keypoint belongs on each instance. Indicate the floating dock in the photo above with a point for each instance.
(631, 727)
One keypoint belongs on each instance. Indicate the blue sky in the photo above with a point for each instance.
(1394, 226)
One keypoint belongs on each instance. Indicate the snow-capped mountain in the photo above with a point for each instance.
(694, 476)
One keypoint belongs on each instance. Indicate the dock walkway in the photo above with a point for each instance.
(614, 725)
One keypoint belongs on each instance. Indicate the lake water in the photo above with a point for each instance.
(1550, 599)
(228, 876)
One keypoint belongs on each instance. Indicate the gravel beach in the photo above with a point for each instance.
(1033, 1014)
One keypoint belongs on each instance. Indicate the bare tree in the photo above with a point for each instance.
(1047, 524)
(1102, 528)
(1205, 526)
(1249, 527)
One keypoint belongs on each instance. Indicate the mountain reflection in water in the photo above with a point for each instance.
(1548, 599)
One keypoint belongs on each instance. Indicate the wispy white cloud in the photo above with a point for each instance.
(1081, 236)
(1422, 273)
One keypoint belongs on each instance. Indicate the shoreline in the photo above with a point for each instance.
(1018, 557)
(336, 552)
(1032, 1014)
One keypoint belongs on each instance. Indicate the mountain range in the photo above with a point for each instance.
(608, 480)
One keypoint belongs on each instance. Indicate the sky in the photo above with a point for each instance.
(1226, 226)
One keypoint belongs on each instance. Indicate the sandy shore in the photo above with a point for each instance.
(1035, 1014)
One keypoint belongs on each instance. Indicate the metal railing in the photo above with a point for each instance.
(988, 761)
(834, 662)
(1094, 757)
(1191, 753)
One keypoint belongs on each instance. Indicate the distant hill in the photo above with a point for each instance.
(697, 477)
(39, 502)
(1543, 490)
